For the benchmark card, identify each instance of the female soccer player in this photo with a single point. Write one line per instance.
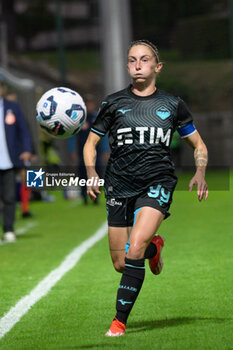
(139, 179)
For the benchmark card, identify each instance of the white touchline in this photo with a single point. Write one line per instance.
(22, 230)
(21, 308)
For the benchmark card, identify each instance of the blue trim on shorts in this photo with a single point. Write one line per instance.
(128, 243)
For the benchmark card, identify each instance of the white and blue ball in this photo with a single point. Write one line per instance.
(61, 112)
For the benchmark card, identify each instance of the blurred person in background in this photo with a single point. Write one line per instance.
(24, 192)
(140, 179)
(15, 151)
(76, 144)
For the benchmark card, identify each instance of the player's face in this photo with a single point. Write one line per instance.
(142, 65)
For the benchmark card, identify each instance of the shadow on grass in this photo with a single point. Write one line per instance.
(91, 346)
(135, 327)
(26, 236)
(172, 322)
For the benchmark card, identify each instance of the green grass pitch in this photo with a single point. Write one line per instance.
(188, 307)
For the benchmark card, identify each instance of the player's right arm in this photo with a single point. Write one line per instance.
(89, 155)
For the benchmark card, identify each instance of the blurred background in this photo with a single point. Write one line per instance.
(82, 44)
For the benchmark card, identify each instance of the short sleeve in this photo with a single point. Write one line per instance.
(103, 120)
(185, 125)
(184, 115)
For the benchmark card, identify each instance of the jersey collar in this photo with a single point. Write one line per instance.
(141, 97)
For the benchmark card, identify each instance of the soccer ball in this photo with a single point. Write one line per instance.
(61, 112)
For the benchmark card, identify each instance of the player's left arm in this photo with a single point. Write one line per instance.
(201, 160)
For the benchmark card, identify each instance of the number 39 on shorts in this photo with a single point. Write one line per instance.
(160, 194)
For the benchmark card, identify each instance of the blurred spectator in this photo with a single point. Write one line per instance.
(77, 142)
(10, 96)
(15, 150)
(24, 192)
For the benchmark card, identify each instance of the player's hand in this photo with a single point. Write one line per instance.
(25, 157)
(93, 189)
(202, 188)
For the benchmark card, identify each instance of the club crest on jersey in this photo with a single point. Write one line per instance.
(163, 113)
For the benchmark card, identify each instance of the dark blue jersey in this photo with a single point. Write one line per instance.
(140, 131)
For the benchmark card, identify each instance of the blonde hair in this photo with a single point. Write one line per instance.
(148, 44)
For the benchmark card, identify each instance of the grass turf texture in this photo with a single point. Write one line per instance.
(187, 307)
